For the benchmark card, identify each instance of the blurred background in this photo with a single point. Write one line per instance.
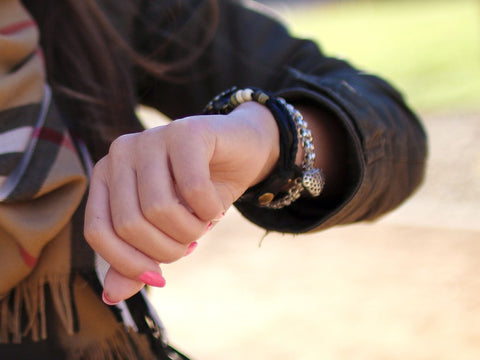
(404, 287)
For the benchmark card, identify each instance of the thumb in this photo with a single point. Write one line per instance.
(117, 287)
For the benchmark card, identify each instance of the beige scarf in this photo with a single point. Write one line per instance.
(42, 183)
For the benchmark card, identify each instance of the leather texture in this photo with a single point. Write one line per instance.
(387, 148)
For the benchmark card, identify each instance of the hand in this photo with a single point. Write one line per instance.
(158, 191)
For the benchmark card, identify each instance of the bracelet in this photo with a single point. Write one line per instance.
(293, 129)
(312, 179)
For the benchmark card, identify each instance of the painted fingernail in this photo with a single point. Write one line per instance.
(152, 278)
(107, 301)
(191, 247)
(209, 226)
(219, 217)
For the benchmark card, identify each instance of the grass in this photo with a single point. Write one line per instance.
(429, 49)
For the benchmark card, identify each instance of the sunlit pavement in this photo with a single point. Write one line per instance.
(405, 287)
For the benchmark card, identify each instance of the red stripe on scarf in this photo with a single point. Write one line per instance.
(19, 26)
(48, 134)
(68, 143)
(28, 259)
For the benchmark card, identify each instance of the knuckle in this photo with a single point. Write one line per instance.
(189, 235)
(155, 210)
(182, 125)
(127, 228)
(93, 234)
(173, 254)
(120, 144)
(195, 188)
(167, 218)
(192, 129)
(98, 167)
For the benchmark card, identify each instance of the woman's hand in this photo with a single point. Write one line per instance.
(157, 191)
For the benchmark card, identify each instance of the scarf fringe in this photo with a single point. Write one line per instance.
(27, 301)
(123, 344)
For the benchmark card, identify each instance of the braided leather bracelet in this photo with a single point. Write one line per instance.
(290, 123)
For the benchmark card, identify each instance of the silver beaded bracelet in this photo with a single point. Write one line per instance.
(312, 179)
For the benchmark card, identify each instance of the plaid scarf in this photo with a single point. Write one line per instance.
(50, 279)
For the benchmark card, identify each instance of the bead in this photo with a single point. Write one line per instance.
(263, 98)
(238, 97)
(233, 99)
(304, 133)
(309, 147)
(247, 94)
(300, 121)
(265, 199)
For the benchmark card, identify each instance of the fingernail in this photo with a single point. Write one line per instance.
(220, 217)
(152, 278)
(209, 226)
(191, 247)
(107, 301)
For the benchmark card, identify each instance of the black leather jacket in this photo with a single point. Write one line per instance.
(387, 145)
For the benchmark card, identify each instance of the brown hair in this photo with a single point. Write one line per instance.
(89, 66)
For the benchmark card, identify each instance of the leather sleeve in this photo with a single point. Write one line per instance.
(387, 145)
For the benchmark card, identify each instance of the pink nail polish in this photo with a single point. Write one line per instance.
(209, 226)
(220, 217)
(191, 247)
(107, 301)
(152, 278)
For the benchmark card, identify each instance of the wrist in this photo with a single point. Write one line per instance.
(293, 131)
(266, 135)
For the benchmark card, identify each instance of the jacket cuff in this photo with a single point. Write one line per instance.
(307, 214)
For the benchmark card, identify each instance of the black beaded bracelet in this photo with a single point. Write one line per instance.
(271, 193)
